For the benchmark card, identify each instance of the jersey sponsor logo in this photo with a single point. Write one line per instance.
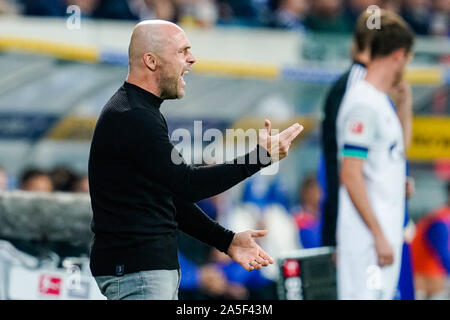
(49, 285)
(356, 127)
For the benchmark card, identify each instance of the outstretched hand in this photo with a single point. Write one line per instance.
(278, 145)
(245, 251)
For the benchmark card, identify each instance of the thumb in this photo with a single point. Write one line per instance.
(268, 126)
(258, 233)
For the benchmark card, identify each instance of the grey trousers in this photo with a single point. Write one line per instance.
(143, 285)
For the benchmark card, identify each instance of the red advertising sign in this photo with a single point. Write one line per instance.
(291, 268)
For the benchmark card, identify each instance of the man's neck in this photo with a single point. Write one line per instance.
(380, 75)
(149, 86)
(362, 57)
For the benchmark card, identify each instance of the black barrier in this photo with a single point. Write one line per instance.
(308, 274)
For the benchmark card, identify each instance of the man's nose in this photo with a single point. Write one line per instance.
(191, 59)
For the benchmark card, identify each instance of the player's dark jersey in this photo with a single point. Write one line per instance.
(328, 170)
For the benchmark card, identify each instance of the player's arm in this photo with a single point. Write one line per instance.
(353, 179)
(402, 97)
(358, 135)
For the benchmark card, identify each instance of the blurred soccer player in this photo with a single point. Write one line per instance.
(431, 253)
(307, 217)
(328, 170)
(140, 196)
(372, 174)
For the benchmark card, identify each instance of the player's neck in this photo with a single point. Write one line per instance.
(362, 57)
(380, 75)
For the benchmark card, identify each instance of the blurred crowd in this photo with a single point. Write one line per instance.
(427, 17)
(59, 179)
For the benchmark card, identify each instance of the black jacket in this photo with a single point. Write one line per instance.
(140, 196)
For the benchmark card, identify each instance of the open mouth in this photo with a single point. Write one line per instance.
(182, 77)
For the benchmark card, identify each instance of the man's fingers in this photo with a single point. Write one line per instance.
(296, 133)
(390, 260)
(256, 265)
(258, 262)
(258, 233)
(286, 133)
(268, 126)
(265, 256)
(290, 133)
(261, 261)
(247, 266)
(385, 260)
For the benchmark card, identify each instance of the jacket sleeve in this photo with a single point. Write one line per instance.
(143, 136)
(193, 221)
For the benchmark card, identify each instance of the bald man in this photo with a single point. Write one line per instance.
(140, 196)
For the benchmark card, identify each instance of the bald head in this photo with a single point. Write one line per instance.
(159, 56)
(151, 36)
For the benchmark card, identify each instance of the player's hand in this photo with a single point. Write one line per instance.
(278, 145)
(385, 254)
(402, 95)
(245, 251)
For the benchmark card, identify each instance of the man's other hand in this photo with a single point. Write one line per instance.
(245, 251)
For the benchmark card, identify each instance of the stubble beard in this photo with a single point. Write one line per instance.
(169, 87)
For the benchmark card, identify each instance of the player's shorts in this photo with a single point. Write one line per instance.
(360, 278)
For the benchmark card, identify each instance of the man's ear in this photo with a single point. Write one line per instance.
(149, 60)
(399, 54)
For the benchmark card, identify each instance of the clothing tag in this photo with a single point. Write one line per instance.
(120, 268)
